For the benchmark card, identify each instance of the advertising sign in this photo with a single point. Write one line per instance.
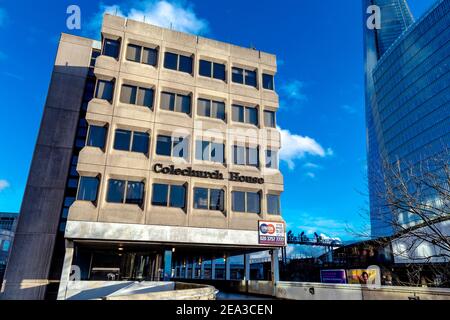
(271, 233)
(333, 276)
(362, 276)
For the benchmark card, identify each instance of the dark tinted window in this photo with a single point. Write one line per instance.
(250, 78)
(122, 140)
(179, 147)
(219, 71)
(238, 113)
(177, 196)
(111, 48)
(164, 145)
(134, 53)
(170, 60)
(217, 152)
(140, 142)
(238, 75)
(200, 198)
(273, 204)
(145, 97)
(205, 68)
(185, 64)
(88, 188)
(216, 199)
(135, 193)
(159, 195)
(218, 110)
(202, 151)
(204, 107)
(167, 101)
(251, 116)
(96, 137)
(253, 202)
(267, 81)
(105, 90)
(128, 94)
(116, 189)
(269, 119)
(183, 103)
(238, 199)
(150, 56)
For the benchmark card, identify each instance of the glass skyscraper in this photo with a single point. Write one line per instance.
(407, 94)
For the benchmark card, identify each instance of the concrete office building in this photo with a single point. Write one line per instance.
(407, 96)
(157, 150)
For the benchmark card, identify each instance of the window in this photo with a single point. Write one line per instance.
(111, 48)
(176, 102)
(210, 151)
(87, 189)
(267, 81)
(126, 140)
(137, 95)
(141, 54)
(5, 245)
(212, 70)
(245, 114)
(178, 62)
(246, 156)
(269, 119)
(94, 55)
(171, 146)
(272, 159)
(243, 76)
(209, 199)
(129, 192)
(273, 204)
(210, 108)
(169, 195)
(105, 90)
(96, 136)
(246, 202)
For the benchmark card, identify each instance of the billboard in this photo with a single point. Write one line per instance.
(271, 233)
(338, 276)
(363, 276)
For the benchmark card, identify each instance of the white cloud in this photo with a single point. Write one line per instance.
(4, 185)
(348, 109)
(168, 14)
(293, 91)
(294, 147)
(311, 175)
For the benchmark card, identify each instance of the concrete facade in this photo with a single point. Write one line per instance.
(27, 276)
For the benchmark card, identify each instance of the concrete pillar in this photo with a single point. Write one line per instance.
(275, 268)
(66, 275)
(246, 267)
(202, 270)
(227, 268)
(167, 265)
(194, 265)
(213, 268)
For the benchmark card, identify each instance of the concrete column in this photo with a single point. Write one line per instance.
(227, 268)
(246, 267)
(275, 268)
(66, 275)
(213, 268)
(194, 265)
(167, 265)
(202, 270)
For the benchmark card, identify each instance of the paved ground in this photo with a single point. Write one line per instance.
(238, 296)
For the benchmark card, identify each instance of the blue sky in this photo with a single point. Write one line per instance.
(320, 82)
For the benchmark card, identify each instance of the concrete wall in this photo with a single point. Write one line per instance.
(320, 291)
(112, 163)
(29, 264)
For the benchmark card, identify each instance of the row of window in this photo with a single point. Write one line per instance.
(135, 141)
(182, 103)
(184, 63)
(174, 196)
